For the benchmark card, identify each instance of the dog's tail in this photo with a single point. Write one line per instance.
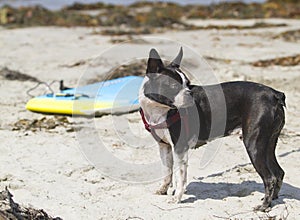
(280, 97)
(279, 116)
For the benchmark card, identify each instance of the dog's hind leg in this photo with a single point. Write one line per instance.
(256, 136)
(166, 156)
(275, 167)
(272, 161)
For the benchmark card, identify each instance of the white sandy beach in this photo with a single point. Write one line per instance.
(47, 169)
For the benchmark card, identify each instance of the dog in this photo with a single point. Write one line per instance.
(181, 116)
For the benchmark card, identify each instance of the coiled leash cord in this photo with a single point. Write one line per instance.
(48, 86)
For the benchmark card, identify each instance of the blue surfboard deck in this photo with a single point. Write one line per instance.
(108, 97)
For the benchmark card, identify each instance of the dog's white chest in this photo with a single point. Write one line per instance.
(164, 135)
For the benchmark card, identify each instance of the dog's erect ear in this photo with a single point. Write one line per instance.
(154, 62)
(176, 62)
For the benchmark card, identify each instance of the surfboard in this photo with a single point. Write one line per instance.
(114, 96)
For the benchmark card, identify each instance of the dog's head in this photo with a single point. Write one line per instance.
(167, 85)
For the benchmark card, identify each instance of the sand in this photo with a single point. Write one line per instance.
(48, 169)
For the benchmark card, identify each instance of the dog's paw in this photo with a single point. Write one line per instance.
(161, 192)
(174, 200)
(262, 208)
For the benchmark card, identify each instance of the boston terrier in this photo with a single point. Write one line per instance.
(181, 116)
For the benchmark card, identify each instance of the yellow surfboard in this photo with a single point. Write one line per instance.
(108, 97)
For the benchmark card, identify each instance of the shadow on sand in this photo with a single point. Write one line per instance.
(221, 190)
(201, 190)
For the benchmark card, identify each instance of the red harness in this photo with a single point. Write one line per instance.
(165, 124)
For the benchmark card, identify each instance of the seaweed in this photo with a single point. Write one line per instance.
(148, 15)
(44, 123)
(93, 6)
(39, 16)
(9, 209)
(280, 61)
(9, 74)
(136, 68)
(292, 36)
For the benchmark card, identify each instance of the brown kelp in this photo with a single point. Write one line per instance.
(147, 16)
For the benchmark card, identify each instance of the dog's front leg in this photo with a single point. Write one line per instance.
(166, 156)
(180, 166)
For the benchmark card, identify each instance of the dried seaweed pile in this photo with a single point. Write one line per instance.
(280, 61)
(9, 74)
(133, 69)
(136, 68)
(242, 27)
(13, 211)
(145, 16)
(44, 123)
(238, 9)
(39, 16)
(292, 36)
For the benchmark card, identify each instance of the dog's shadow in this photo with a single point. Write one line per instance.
(221, 190)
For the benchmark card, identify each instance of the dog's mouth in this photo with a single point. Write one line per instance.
(186, 101)
(161, 99)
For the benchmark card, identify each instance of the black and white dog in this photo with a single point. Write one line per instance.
(180, 116)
